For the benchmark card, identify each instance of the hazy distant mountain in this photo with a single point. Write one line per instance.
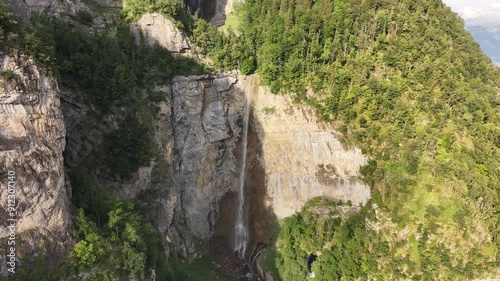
(489, 40)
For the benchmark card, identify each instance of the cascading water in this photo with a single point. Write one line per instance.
(241, 227)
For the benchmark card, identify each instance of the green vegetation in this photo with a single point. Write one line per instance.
(407, 84)
(234, 18)
(402, 80)
(114, 242)
(114, 73)
(269, 110)
(227, 50)
(267, 260)
(128, 148)
(110, 70)
(8, 25)
(199, 270)
(113, 239)
(8, 75)
(176, 9)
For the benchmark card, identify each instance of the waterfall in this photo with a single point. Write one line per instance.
(241, 227)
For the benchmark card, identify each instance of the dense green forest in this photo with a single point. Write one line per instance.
(404, 81)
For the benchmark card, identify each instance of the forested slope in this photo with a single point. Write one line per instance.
(406, 82)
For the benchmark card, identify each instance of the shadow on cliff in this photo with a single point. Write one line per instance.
(262, 223)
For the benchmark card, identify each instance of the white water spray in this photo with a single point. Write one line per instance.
(241, 227)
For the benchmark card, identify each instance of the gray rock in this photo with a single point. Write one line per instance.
(157, 28)
(24, 9)
(205, 112)
(302, 156)
(31, 145)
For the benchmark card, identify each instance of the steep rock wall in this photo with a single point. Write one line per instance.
(213, 11)
(302, 156)
(197, 130)
(207, 116)
(157, 28)
(222, 8)
(24, 9)
(31, 145)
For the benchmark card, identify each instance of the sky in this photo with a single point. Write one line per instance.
(477, 12)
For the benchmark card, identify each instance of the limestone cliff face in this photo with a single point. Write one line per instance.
(157, 28)
(207, 116)
(213, 11)
(31, 145)
(302, 157)
(26, 8)
(199, 130)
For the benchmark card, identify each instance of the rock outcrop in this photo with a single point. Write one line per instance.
(222, 8)
(302, 157)
(31, 146)
(157, 28)
(24, 9)
(206, 119)
(197, 129)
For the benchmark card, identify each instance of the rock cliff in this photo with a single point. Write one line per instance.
(31, 145)
(222, 8)
(157, 28)
(197, 132)
(207, 123)
(302, 157)
(197, 129)
(213, 11)
(26, 8)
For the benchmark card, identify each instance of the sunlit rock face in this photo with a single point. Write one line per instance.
(157, 28)
(31, 146)
(302, 156)
(197, 130)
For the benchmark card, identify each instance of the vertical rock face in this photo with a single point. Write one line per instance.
(157, 28)
(24, 9)
(206, 118)
(197, 130)
(302, 157)
(31, 145)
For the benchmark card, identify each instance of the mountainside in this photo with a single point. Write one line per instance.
(372, 141)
